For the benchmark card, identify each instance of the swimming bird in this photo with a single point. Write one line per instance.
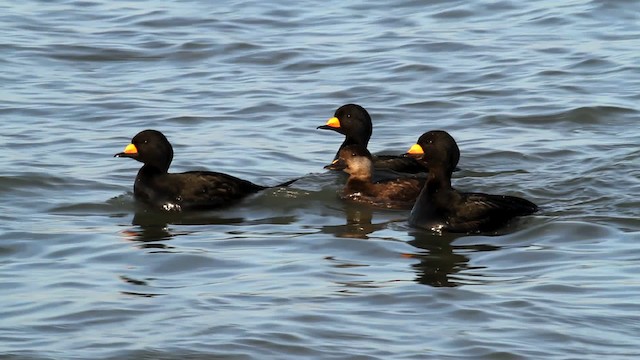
(440, 207)
(398, 193)
(353, 121)
(191, 190)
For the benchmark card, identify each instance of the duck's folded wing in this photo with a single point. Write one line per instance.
(483, 212)
(478, 205)
(398, 163)
(211, 189)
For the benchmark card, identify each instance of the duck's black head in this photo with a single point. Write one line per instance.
(436, 149)
(353, 121)
(150, 147)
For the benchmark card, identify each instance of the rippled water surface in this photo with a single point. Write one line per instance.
(542, 96)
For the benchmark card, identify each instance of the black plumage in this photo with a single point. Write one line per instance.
(354, 122)
(191, 190)
(440, 207)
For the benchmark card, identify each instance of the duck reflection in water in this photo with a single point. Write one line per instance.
(152, 227)
(358, 223)
(442, 264)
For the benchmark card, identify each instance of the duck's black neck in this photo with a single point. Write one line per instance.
(351, 140)
(149, 171)
(438, 178)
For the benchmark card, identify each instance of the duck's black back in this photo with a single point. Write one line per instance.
(192, 190)
(450, 210)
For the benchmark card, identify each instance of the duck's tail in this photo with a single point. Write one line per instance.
(287, 183)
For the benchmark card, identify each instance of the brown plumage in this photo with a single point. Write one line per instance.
(398, 193)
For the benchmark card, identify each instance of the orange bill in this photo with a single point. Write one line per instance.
(416, 150)
(130, 149)
(333, 122)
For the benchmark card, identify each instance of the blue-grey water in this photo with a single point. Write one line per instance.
(543, 98)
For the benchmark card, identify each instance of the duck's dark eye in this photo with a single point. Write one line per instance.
(348, 115)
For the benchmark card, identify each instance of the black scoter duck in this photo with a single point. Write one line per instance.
(398, 193)
(190, 190)
(442, 208)
(354, 122)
